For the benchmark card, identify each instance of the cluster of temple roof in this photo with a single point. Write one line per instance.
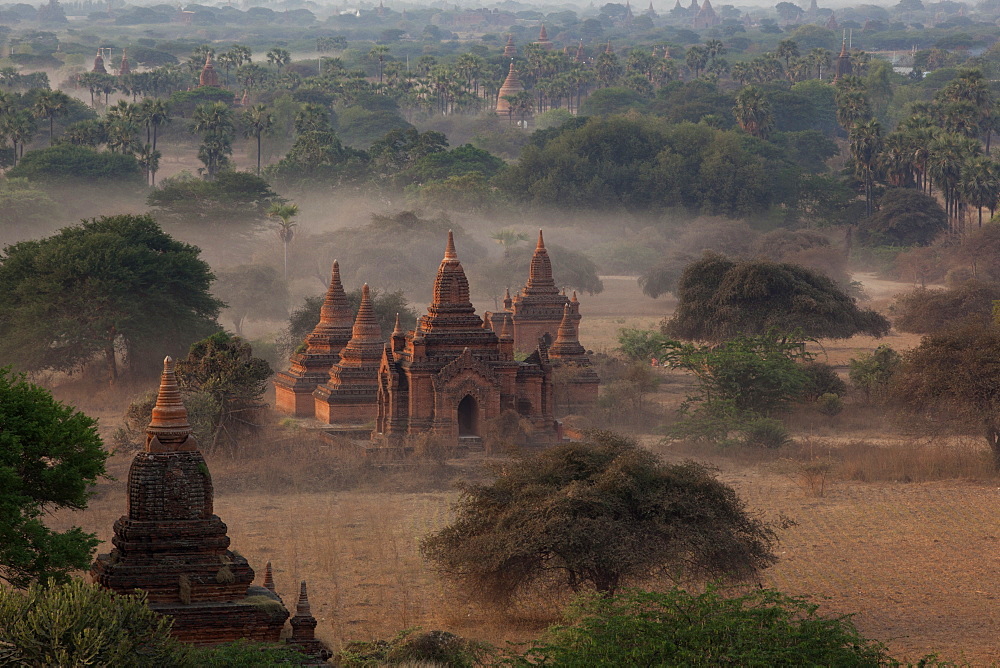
(450, 374)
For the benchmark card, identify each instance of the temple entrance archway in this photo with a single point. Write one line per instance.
(468, 416)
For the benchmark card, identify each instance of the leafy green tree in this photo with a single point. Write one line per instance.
(906, 217)
(25, 206)
(223, 368)
(719, 298)
(682, 628)
(872, 372)
(50, 458)
(641, 345)
(598, 514)
(113, 286)
(955, 376)
(80, 624)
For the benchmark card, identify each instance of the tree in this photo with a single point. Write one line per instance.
(600, 514)
(215, 123)
(719, 298)
(252, 291)
(112, 286)
(79, 624)
(223, 369)
(286, 227)
(378, 53)
(50, 458)
(905, 217)
(508, 239)
(753, 112)
(931, 311)
(866, 145)
(49, 104)
(278, 56)
(257, 121)
(641, 345)
(679, 628)
(955, 376)
(787, 49)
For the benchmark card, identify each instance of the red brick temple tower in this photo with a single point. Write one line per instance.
(511, 86)
(99, 67)
(536, 310)
(543, 39)
(577, 382)
(124, 68)
(509, 49)
(452, 374)
(172, 545)
(349, 395)
(293, 389)
(304, 629)
(208, 77)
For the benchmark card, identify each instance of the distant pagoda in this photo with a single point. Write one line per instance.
(99, 67)
(208, 77)
(511, 86)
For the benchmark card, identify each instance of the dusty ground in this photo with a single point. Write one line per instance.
(914, 561)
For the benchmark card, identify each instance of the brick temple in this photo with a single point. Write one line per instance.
(349, 395)
(413, 383)
(453, 372)
(171, 544)
(310, 368)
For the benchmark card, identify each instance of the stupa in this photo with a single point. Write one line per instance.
(509, 50)
(171, 544)
(543, 39)
(304, 629)
(578, 384)
(124, 68)
(349, 394)
(99, 67)
(842, 65)
(310, 368)
(511, 86)
(208, 77)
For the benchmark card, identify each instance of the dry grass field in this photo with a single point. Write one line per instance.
(893, 524)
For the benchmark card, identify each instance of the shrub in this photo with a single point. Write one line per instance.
(929, 311)
(765, 433)
(246, 654)
(830, 404)
(411, 647)
(821, 378)
(678, 628)
(78, 624)
(872, 372)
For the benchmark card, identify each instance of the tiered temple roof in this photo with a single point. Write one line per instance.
(311, 367)
(350, 391)
(509, 49)
(171, 544)
(543, 39)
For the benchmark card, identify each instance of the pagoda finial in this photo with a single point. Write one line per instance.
(574, 297)
(302, 606)
(397, 329)
(268, 577)
(169, 423)
(541, 242)
(336, 310)
(505, 331)
(449, 252)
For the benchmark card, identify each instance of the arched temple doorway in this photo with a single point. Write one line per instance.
(468, 417)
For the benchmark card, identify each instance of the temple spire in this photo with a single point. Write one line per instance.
(397, 329)
(336, 309)
(268, 578)
(366, 327)
(302, 606)
(540, 274)
(449, 252)
(168, 428)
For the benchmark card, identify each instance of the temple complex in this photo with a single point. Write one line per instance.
(208, 77)
(171, 544)
(706, 17)
(511, 86)
(310, 368)
(453, 372)
(349, 394)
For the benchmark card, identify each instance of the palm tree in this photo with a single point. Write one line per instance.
(278, 56)
(948, 154)
(978, 185)
(753, 112)
(48, 104)
(257, 121)
(149, 160)
(508, 239)
(787, 49)
(285, 232)
(122, 136)
(19, 128)
(715, 48)
(866, 145)
(157, 114)
(379, 52)
(696, 58)
(820, 59)
(215, 122)
(227, 61)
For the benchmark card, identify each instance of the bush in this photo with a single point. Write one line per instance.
(78, 624)
(872, 372)
(765, 433)
(678, 628)
(930, 311)
(830, 404)
(821, 378)
(411, 647)
(246, 654)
